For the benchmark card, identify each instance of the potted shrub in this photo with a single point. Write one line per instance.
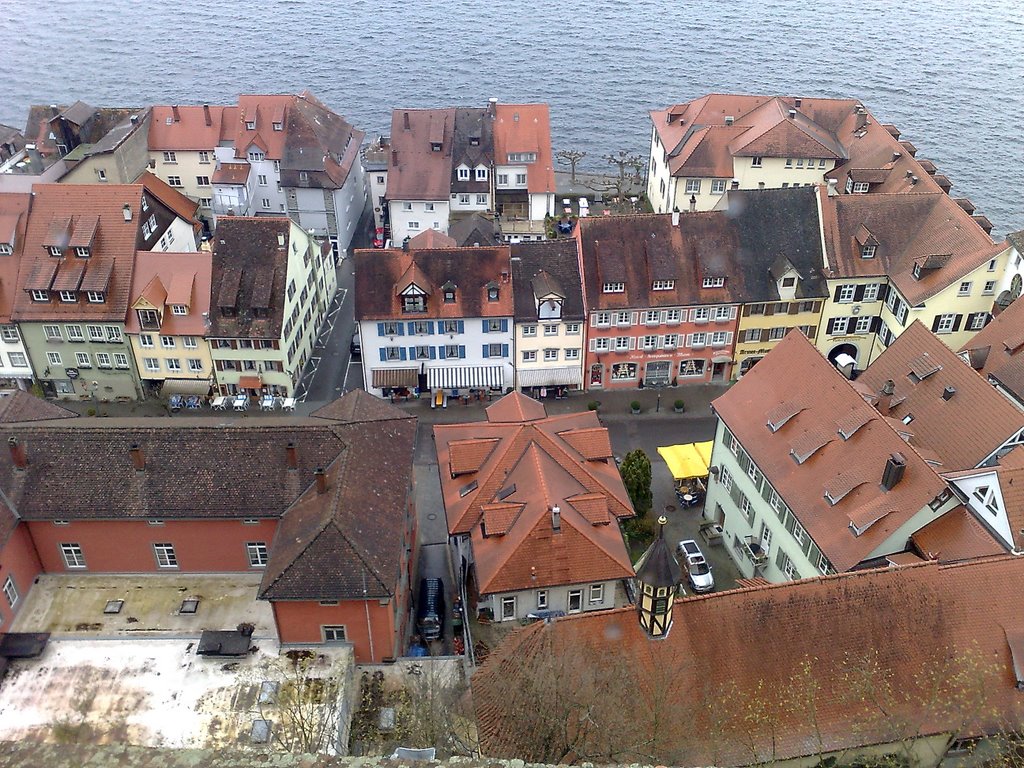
(635, 406)
(593, 405)
(679, 406)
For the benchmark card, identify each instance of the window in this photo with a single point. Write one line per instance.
(463, 173)
(990, 288)
(712, 282)
(572, 354)
(195, 365)
(151, 363)
(860, 187)
(102, 360)
(508, 607)
(756, 162)
(203, 181)
(871, 292)
(492, 293)
(839, 325)
(481, 199)
(167, 342)
(502, 179)
(863, 325)
(492, 326)
(693, 186)
(11, 592)
(571, 329)
(72, 554)
(622, 343)
(965, 288)
(673, 316)
(204, 156)
(174, 181)
(18, 359)
(68, 297)
(529, 356)
(173, 364)
(165, 557)
(821, 163)
(83, 360)
(726, 479)
(170, 157)
(333, 633)
(614, 288)
(495, 350)
(542, 599)
(463, 199)
(278, 125)
(53, 358)
(255, 156)
(718, 186)
(550, 354)
(529, 331)
(650, 342)
(257, 553)
(9, 333)
(596, 593)
(868, 251)
(671, 340)
(698, 340)
(95, 297)
(575, 600)
(522, 157)
(846, 293)
(38, 295)
(600, 344)
(82, 251)
(414, 225)
(52, 333)
(520, 178)
(206, 202)
(663, 285)
(602, 319)
(752, 335)
(120, 360)
(481, 174)
(550, 330)
(56, 250)
(789, 162)
(261, 179)
(776, 333)
(945, 324)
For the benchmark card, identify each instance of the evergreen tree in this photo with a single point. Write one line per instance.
(636, 476)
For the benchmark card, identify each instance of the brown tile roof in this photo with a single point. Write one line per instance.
(549, 267)
(926, 228)
(918, 635)
(232, 173)
(515, 407)
(741, 244)
(525, 128)
(188, 275)
(983, 418)
(432, 239)
(849, 470)
(382, 275)
(592, 443)
(188, 131)
(955, 536)
(250, 270)
(524, 469)
(415, 172)
(995, 350)
(22, 407)
(112, 259)
(358, 406)
(14, 212)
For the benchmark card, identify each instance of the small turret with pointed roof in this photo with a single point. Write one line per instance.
(657, 576)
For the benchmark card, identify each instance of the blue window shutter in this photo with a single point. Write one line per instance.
(485, 329)
(440, 352)
(380, 329)
(462, 327)
(487, 350)
(401, 353)
(504, 325)
(433, 352)
(412, 353)
(412, 328)
(504, 350)
(430, 327)
(462, 349)
(401, 329)
(383, 355)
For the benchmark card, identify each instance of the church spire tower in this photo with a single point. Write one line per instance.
(657, 577)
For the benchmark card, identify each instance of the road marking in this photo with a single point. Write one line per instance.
(344, 383)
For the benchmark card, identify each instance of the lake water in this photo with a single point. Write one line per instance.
(949, 73)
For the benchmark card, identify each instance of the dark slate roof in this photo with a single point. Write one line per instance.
(537, 268)
(23, 407)
(319, 142)
(477, 229)
(248, 262)
(348, 542)
(470, 122)
(360, 406)
(658, 566)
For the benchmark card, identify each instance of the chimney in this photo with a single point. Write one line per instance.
(693, 203)
(885, 397)
(53, 110)
(138, 459)
(321, 480)
(127, 212)
(394, 157)
(556, 519)
(896, 156)
(405, 243)
(862, 120)
(675, 217)
(291, 456)
(405, 120)
(895, 466)
(792, 114)
(797, 103)
(134, 119)
(177, 115)
(910, 174)
(17, 453)
(206, 115)
(833, 187)
(280, 239)
(948, 392)
(492, 106)
(914, 179)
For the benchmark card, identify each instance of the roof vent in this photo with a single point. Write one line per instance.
(948, 392)
(797, 103)
(321, 480)
(792, 114)
(138, 458)
(729, 119)
(556, 519)
(895, 466)
(280, 239)
(291, 455)
(17, 453)
(405, 120)
(896, 156)
(127, 212)
(914, 179)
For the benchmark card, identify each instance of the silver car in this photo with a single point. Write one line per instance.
(698, 570)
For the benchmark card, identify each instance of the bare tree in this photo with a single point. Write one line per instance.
(629, 172)
(570, 157)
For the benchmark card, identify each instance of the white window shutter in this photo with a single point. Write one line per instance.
(728, 337)
(632, 342)
(633, 318)
(689, 339)
(732, 314)
(593, 345)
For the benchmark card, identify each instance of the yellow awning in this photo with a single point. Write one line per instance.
(690, 460)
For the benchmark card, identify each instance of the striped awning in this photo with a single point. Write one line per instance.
(389, 378)
(465, 376)
(551, 377)
(185, 387)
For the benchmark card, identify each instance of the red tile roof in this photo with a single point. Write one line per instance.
(14, 208)
(526, 128)
(516, 407)
(415, 171)
(996, 350)
(188, 274)
(955, 536)
(188, 130)
(764, 674)
(848, 469)
(983, 418)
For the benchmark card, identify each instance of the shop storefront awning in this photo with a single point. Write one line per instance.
(185, 387)
(249, 382)
(551, 377)
(391, 378)
(465, 377)
(690, 460)
(721, 359)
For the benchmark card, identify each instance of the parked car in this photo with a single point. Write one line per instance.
(698, 570)
(355, 347)
(430, 609)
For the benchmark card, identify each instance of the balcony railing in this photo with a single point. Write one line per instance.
(753, 551)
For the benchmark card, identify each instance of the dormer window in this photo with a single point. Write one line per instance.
(522, 157)
(613, 287)
(38, 295)
(69, 297)
(663, 285)
(917, 271)
(82, 252)
(6, 249)
(179, 309)
(149, 319)
(414, 304)
(303, 176)
(255, 156)
(250, 125)
(463, 173)
(56, 250)
(449, 293)
(481, 174)
(492, 292)
(868, 251)
(788, 282)
(474, 141)
(713, 282)
(278, 126)
(96, 297)
(435, 146)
